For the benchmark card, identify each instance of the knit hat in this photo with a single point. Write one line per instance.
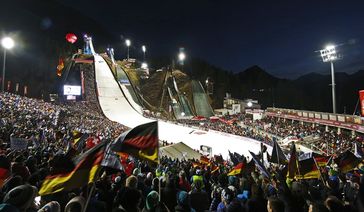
(152, 200)
(182, 198)
(136, 171)
(131, 181)
(51, 207)
(150, 175)
(117, 179)
(8, 208)
(76, 202)
(21, 196)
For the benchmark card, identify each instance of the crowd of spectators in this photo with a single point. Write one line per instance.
(171, 185)
(269, 128)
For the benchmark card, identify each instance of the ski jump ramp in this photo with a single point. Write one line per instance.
(117, 107)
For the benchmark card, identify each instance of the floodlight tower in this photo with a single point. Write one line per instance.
(329, 54)
(128, 43)
(144, 49)
(7, 44)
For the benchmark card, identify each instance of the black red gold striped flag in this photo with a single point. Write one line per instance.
(86, 171)
(236, 170)
(292, 163)
(307, 169)
(141, 142)
(346, 161)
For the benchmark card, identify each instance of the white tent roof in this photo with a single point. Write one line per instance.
(180, 151)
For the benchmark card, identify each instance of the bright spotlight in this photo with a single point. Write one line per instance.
(127, 42)
(144, 49)
(329, 53)
(250, 104)
(183, 114)
(181, 56)
(7, 43)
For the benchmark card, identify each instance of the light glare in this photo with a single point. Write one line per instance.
(127, 42)
(7, 43)
(181, 56)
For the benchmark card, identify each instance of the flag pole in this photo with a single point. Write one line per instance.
(322, 179)
(159, 162)
(275, 143)
(89, 197)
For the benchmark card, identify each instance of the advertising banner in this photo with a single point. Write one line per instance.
(361, 97)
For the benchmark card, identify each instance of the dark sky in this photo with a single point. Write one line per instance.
(279, 36)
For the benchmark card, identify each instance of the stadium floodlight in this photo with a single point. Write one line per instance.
(183, 114)
(249, 104)
(144, 49)
(7, 43)
(181, 57)
(144, 66)
(329, 54)
(128, 43)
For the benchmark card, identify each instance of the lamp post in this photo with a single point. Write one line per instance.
(127, 43)
(181, 58)
(329, 55)
(7, 43)
(144, 49)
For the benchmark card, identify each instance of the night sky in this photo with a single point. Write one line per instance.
(282, 37)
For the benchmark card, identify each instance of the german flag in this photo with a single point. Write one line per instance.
(79, 140)
(322, 160)
(292, 163)
(346, 161)
(214, 168)
(236, 170)
(196, 164)
(60, 67)
(307, 169)
(141, 142)
(204, 160)
(86, 171)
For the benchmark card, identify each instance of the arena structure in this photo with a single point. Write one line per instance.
(117, 105)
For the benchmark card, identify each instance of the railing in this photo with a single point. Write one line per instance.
(350, 122)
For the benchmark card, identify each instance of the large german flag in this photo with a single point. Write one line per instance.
(236, 170)
(86, 171)
(307, 169)
(141, 142)
(346, 161)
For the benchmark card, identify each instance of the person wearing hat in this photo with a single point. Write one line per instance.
(75, 204)
(183, 183)
(183, 202)
(198, 177)
(22, 197)
(131, 181)
(199, 198)
(152, 203)
(227, 196)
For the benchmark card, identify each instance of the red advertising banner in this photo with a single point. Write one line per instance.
(361, 97)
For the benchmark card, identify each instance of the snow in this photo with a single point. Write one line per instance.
(117, 107)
